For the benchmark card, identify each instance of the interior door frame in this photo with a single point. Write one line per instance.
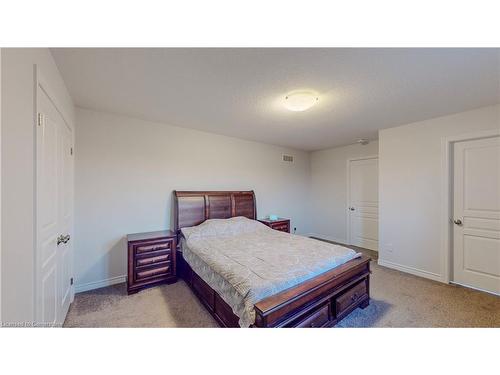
(0, 185)
(40, 83)
(447, 191)
(348, 193)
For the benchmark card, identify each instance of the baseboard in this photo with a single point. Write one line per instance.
(328, 238)
(100, 284)
(411, 270)
(472, 287)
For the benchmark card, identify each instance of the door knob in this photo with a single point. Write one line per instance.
(457, 221)
(351, 208)
(66, 238)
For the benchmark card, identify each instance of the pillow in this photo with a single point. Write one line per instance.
(223, 227)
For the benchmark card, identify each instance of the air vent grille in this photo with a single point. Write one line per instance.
(288, 158)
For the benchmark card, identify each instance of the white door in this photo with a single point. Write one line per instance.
(476, 214)
(54, 214)
(65, 219)
(363, 203)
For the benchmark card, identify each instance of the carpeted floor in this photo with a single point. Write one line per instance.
(398, 300)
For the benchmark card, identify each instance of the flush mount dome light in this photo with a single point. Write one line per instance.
(299, 101)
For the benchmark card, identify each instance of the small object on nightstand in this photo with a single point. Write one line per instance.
(280, 224)
(151, 259)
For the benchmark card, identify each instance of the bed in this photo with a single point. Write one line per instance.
(248, 275)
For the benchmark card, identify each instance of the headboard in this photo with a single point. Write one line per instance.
(194, 207)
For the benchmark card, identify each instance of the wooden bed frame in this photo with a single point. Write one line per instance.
(318, 302)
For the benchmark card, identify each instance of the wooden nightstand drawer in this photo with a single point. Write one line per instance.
(153, 272)
(152, 247)
(151, 259)
(140, 262)
(282, 225)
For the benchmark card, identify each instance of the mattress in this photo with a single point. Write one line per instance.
(245, 261)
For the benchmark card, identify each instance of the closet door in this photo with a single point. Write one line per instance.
(65, 219)
(53, 267)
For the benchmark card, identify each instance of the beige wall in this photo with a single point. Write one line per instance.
(329, 189)
(410, 171)
(126, 170)
(18, 172)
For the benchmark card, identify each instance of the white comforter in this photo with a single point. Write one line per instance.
(246, 261)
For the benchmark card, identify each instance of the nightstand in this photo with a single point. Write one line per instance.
(280, 224)
(151, 259)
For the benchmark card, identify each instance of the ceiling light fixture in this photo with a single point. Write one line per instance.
(299, 101)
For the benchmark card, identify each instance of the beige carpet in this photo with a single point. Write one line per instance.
(398, 300)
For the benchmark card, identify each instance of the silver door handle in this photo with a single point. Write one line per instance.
(457, 221)
(63, 239)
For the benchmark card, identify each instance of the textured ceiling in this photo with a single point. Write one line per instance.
(238, 92)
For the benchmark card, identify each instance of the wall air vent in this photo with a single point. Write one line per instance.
(288, 158)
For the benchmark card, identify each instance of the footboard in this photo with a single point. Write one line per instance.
(321, 301)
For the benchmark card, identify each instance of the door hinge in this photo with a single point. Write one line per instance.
(71, 281)
(40, 119)
(71, 151)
